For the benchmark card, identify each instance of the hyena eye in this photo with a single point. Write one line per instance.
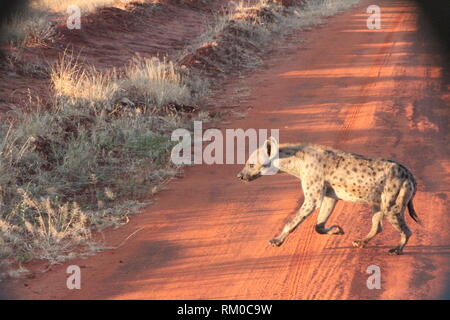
(251, 165)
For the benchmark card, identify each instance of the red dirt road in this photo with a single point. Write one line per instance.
(374, 92)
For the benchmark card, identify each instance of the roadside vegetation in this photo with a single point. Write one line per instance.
(94, 154)
(101, 144)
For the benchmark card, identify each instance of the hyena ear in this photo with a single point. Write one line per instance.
(271, 147)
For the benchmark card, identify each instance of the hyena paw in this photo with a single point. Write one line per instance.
(395, 251)
(276, 242)
(359, 244)
(336, 230)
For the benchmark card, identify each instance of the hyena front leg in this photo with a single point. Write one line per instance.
(326, 209)
(308, 206)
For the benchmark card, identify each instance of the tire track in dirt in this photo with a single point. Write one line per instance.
(350, 119)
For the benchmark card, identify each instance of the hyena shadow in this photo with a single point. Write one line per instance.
(413, 250)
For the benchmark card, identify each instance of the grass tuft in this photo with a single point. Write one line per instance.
(27, 27)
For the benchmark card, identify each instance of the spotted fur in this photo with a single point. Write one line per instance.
(328, 175)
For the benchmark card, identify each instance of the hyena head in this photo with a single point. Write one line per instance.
(260, 162)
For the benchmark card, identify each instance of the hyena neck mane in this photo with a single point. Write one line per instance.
(290, 155)
(287, 160)
(287, 150)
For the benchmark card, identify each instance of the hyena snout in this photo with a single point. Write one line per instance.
(259, 162)
(247, 177)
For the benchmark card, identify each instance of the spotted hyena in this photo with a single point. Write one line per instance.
(329, 175)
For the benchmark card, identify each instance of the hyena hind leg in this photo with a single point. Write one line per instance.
(326, 209)
(377, 227)
(395, 214)
(398, 222)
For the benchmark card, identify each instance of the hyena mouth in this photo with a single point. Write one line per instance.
(251, 178)
(247, 178)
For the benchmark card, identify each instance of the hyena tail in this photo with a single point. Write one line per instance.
(412, 212)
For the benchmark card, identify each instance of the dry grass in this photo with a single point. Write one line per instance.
(83, 87)
(31, 26)
(44, 227)
(84, 5)
(61, 6)
(147, 84)
(155, 82)
(326, 8)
